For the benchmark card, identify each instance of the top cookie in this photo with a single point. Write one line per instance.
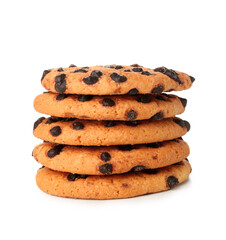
(114, 80)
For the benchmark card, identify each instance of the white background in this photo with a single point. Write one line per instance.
(188, 36)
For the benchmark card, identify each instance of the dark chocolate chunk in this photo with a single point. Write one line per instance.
(127, 70)
(61, 96)
(133, 91)
(131, 115)
(146, 73)
(144, 99)
(137, 69)
(150, 171)
(45, 73)
(118, 67)
(72, 65)
(187, 125)
(93, 78)
(83, 176)
(56, 150)
(153, 145)
(158, 89)
(55, 131)
(78, 125)
(106, 168)
(85, 98)
(72, 177)
(158, 116)
(183, 101)
(60, 83)
(53, 120)
(179, 122)
(110, 124)
(125, 147)
(110, 66)
(169, 72)
(107, 102)
(192, 79)
(96, 73)
(105, 156)
(132, 123)
(138, 168)
(38, 122)
(82, 70)
(60, 69)
(118, 77)
(160, 97)
(172, 181)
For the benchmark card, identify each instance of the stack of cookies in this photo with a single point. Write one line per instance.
(111, 133)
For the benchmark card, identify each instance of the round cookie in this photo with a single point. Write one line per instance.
(105, 133)
(114, 79)
(109, 107)
(110, 160)
(113, 186)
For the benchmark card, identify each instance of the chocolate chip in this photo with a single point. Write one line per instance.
(183, 101)
(60, 69)
(72, 177)
(118, 77)
(53, 120)
(105, 156)
(60, 83)
(150, 171)
(160, 97)
(93, 78)
(158, 116)
(144, 99)
(56, 150)
(133, 91)
(132, 123)
(153, 145)
(192, 79)
(172, 181)
(131, 115)
(110, 66)
(83, 176)
(137, 69)
(186, 159)
(187, 125)
(85, 98)
(135, 65)
(61, 97)
(158, 89)
(146, 73)
(180, 122)
(55, 131)
(110, 124)
(138, 168)
(126, 147)
(107, 102)
(127, 70)
(118, 67)
(81, 70)
(69, 119)
(45, 73)
(78, 125)
(38, 122)
(72, 65)
(170, 73)
(106, 168)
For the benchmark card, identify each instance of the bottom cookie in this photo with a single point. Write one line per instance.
(113, 186)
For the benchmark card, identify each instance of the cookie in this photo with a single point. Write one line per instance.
(97, 133)
(114, 80)
(109, 107)
(89, 160)
(113, 186)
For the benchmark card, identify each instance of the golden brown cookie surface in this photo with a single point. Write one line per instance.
(118, 159)
(112, 186)
(114, 80)
(105, 133)
(109, 107)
